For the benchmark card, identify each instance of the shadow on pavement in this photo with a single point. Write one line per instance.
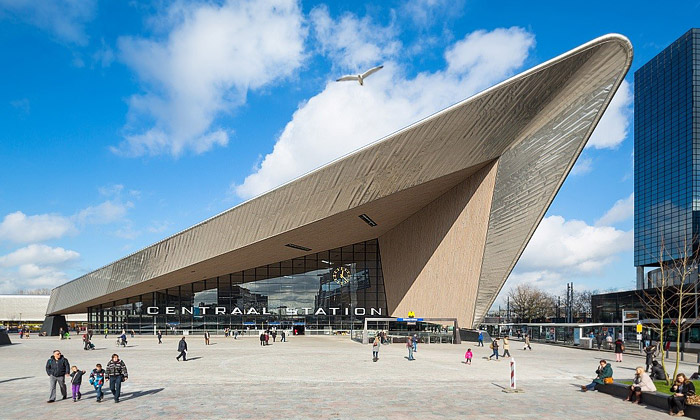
(15, 379)
(194, 358)
(137, 394)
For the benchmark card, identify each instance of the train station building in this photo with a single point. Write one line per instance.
(428, 220)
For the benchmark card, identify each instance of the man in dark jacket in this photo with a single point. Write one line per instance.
(57, 367)
(657, 371)
(116, 373)
(182, 348)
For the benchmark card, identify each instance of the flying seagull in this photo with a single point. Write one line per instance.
(360, 77)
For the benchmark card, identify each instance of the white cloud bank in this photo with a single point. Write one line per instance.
(19, 228)
(622, 210)
(345, 116)
(614, 126)
(212, 56)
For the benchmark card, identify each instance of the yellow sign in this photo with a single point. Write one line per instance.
(639, 328)
(411, 314)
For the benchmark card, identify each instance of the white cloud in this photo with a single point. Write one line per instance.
(573, 247)
(20, 228)
(211, 58)
(38, 254)
(614, 125)
(104, 213)
(65, 20)
(345, 116)
(582, 166)
(622, 210)
(351, 42)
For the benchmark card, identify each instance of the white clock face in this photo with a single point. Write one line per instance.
(341, 275)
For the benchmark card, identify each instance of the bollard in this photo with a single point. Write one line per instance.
(698, 359)
(513, 383)
(682, 354)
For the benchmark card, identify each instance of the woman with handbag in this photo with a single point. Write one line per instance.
(642, 383)
(619, 348)
(604, 373)
(682, 389)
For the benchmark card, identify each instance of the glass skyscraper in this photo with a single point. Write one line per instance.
(667, 153)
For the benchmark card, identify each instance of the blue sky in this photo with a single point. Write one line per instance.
(123, 123)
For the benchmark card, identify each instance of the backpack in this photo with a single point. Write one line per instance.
(491, 346)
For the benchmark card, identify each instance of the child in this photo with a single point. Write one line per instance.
(468, 356)
(97, 379)
(76, 378)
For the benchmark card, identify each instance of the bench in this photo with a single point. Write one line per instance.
(654, 399)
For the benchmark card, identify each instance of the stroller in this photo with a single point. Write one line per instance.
(89, 346)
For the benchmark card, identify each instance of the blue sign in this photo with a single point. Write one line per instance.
(248, 322)
(298, 323)
(409, 319)
(274, 323)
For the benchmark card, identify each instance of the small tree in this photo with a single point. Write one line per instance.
(656, 304)
(683, 293)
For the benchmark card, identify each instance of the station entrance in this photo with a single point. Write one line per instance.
(428, 330)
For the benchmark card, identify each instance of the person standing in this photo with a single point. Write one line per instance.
(619, 348)
(650, 351)
(494, 347)
(506, 347)
(206, 338)
(76, 378)
(106, 332)
(415, 342)
(116, 374)
(284, 337)
(262, 338)
(57, 367)
(409, 346)
(527, 342)
(599, 339)
(468, 357)
(375, 349)
(160, 337)
(274, 336)
(182, 348)
(481, 339)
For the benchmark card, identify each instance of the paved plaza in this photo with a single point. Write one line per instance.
(314, 377)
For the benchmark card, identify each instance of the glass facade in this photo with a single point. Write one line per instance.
(667, 151)
(327, 291)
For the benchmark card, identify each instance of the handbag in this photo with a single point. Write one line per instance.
(607, 380)
(693, 399)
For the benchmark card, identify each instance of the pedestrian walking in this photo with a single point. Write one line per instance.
(409, 346)
(160, 337)
(650, 351)
(415, 342)
(182, 348)
(609, 341)
(274, 336)
(506, 347)
(57, 367)
(206, 338)
(97, 379)
(480, 339)
(284, 337)
(619, 348)
(262, 338)
(599, 339)
(375, 349)
(494, 346)
(527, 342)
(116, 374)
(267, 338)
(468, 357)
(106, 332)
(76, 378)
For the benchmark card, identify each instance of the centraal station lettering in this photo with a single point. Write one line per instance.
(221, 310)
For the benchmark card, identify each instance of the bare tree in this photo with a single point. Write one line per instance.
(673, 297)
(528, 302)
